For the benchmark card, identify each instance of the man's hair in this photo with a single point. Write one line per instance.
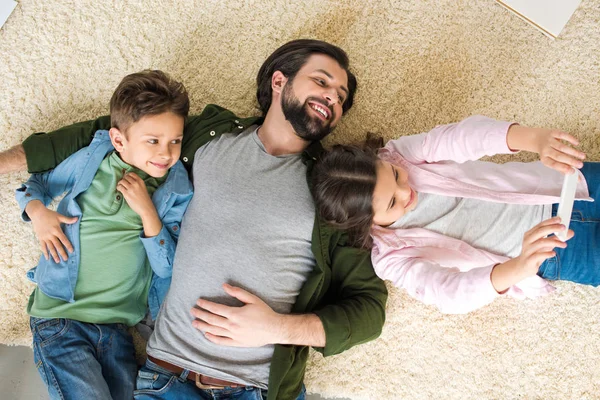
(149, 92)
(343, 186)
(292, 56)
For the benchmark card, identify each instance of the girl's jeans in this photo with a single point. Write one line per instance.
(78, 360)
(580, 260)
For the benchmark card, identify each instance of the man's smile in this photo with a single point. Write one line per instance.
(322, 111)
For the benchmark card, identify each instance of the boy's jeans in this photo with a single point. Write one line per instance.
(580, 260)
(154, 382)
(78, 360)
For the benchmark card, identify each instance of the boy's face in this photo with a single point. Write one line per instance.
(152, 144)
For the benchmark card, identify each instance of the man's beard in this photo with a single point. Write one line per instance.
(297, 114)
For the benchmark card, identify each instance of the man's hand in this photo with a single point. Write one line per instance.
(13, 160)
(254, 324)
(549, 144)
(46, 225)
(136, 195)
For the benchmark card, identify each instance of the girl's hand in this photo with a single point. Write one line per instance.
(46, 225)
(538, 246)
(549, 145)
(136, 194)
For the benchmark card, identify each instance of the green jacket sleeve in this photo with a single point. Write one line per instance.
(44, 151)
(355, 310)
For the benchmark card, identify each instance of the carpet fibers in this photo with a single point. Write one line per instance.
(419, 63)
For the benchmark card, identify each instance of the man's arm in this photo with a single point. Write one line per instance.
(355, 301)
(255, 323)
(44, 151)
(13, 160)
(355, 312)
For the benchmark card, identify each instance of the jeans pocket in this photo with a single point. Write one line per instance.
(39, 363)
(46, 330)
(148, 380)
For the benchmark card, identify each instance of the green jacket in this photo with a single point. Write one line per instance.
(342, 290)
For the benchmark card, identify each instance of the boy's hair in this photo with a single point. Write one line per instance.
(149, 92)
(292, 56)
(343, 186)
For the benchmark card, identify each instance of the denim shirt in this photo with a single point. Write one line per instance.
(74, 176)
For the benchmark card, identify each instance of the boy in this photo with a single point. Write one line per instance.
(126, 195)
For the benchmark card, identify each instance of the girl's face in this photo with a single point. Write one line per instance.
(393, 197)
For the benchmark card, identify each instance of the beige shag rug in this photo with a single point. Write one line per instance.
(419, 63)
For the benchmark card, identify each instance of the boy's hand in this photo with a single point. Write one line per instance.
(136, 194)
(46, 225)
(549, 145)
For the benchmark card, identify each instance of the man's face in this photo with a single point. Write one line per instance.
(312, 101)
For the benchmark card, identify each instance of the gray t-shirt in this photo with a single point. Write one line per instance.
(249, 224)
(494, 227)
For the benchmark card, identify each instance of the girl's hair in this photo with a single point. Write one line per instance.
(343, 185)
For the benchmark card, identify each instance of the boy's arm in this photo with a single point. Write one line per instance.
(160, 247)
(49, 185)
(36, 194)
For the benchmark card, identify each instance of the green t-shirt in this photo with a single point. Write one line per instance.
(114, 271)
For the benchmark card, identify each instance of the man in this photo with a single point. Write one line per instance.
(257, 276)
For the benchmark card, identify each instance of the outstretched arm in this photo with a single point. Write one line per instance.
(550, 144)
(13, 160)
(479, 136)
(42, 152)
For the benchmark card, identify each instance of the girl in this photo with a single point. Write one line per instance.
(456, 232)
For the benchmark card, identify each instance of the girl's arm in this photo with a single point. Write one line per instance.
(456, 292)
(479, 136)
(468, 140)
(538, 246)
(548, 144)
(452, 291)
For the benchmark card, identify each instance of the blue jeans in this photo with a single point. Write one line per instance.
(77, 360)
(154, 382)
(580, 260)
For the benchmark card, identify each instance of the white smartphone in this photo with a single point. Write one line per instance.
(565, 207)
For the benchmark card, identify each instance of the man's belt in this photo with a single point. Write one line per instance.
(201, 381)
